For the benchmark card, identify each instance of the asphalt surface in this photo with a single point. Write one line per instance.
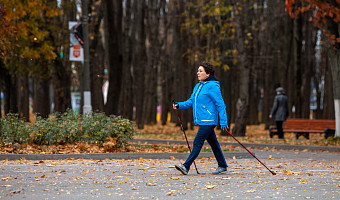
(301, 174)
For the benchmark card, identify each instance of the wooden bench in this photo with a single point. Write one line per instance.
(305, 127)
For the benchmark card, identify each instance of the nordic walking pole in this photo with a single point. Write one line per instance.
(179, 118)
(251, 153)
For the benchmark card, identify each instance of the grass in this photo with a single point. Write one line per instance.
(254, 134)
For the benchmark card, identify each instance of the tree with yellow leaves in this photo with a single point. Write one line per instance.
(26, 45)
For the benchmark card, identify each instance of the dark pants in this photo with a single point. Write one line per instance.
(206, 133)
(279, 128)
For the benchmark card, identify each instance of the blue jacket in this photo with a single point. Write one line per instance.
(207, 103)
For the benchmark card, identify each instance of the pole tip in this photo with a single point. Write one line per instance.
(273, 172)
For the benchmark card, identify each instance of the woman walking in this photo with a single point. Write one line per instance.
(208, 105)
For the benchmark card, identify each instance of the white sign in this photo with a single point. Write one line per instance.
(76, 41)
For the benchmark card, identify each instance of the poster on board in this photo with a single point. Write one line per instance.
(76, 41)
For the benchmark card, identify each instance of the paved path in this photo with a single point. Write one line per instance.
(300, 175)
(248, 145)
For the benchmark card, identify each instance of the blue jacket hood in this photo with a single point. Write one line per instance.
(211, 78)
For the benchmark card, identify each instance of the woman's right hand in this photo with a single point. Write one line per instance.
(174, 106)
(225, 128)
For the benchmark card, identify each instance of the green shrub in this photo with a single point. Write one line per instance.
(68, 127)
(13, 129)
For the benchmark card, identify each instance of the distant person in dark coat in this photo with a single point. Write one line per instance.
(280, 110)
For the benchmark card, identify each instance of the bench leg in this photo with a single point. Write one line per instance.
(329, 133)
(271, 134)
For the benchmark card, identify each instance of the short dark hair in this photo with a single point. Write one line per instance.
(208, 67)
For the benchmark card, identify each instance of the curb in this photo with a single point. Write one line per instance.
(102, 156)
(251, 145)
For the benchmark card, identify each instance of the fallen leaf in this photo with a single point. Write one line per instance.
(170, 194)
(288, 172)
(210, 186)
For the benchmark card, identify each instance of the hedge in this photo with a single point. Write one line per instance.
(68, 127)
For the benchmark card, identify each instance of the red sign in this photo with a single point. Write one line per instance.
(76, 50)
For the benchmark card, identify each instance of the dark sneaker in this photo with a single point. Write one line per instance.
(220, 170)
(182, 169)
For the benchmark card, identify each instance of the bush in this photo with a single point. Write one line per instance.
(13, 129)
(68, 127)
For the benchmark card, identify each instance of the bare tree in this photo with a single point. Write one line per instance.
(113, 24)
(139, 61)
(97, 55)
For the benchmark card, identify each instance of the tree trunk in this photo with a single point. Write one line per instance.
(182, 71)
(97, 58)
(97, 77)
(242, 104)
(62, 86)
(139, 62)
(23, 97)
(154, 51)
(298, 66)
(10, 94)
(127, 96)
(113, 17)
(165, 69)
(290, 75)
(334, 62)
(166, 92)
(41, 104)
(328, 101)
(309, 64)
(9, 88)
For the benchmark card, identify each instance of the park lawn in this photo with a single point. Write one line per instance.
(254, 134)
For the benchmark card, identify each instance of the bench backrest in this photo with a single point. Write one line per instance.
(309, 124)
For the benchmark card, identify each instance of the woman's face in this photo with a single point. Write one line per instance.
(201, 74)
